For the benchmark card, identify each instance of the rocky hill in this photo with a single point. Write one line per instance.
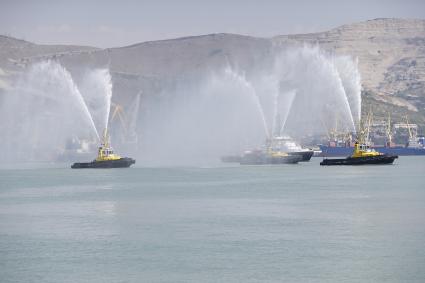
(16, 53)
(391, 55)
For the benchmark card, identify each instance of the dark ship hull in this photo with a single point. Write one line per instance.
(305, 155)
(264, 159)
(118, 163)
(380, 159)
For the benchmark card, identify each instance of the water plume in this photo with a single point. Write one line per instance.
(45, 112)
(297, 91)
(350, 77)
(321, 90)
(286, 108)
(96, 87)
(48, 80)
(266, 87)
(251, 93)
(229, 109)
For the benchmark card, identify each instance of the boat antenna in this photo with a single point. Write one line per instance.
(119, 112)
(408, 127)
(105, 138)
(369, 122)
(326, 128)
(389, 136)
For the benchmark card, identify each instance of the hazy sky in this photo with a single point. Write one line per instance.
(117, 23)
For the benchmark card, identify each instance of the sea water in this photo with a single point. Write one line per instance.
(288, 223)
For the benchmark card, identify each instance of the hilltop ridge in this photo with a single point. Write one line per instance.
(390, 53)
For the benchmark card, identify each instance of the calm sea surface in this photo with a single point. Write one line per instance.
(289, 223)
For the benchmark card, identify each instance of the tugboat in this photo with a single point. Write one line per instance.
(362, 155)
(106, 158)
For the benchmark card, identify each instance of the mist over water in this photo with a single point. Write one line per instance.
(46, 110)
(299, 91)
(202, 120)
(302, 92)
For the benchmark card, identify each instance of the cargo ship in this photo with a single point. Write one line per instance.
(106, 158)
(345, 150)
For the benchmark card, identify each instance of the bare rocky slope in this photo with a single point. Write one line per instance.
(391, 55)
(15, 54)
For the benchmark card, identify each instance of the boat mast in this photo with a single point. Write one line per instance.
(105, 141)
(389, 136)
(369, 122)
(408, 128)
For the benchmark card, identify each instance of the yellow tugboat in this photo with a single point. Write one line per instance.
(106, 158)
(362, 155)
